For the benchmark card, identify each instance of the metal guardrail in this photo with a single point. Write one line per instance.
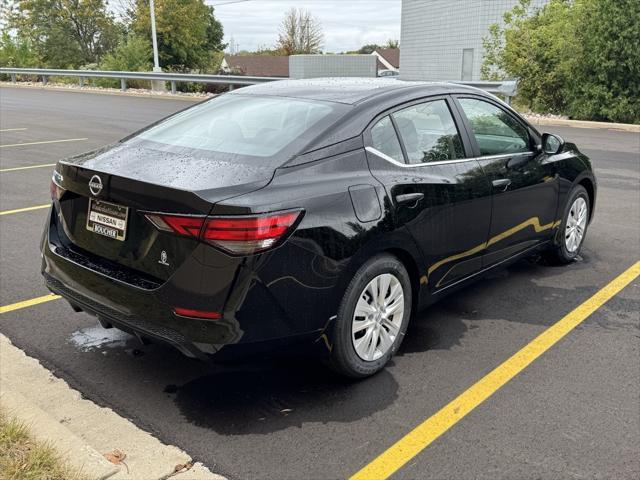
(124, 76)
(505, 88)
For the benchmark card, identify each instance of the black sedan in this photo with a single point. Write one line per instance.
(318, 213)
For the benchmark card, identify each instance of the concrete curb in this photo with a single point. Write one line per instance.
(106, 92)
(44, 428)
(81, 430)
(560, 122)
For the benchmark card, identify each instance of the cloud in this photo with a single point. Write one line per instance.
(347, 24)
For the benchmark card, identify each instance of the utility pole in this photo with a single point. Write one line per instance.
(154, 40)
(156, 85)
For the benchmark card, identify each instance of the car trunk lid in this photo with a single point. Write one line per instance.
(131, 181)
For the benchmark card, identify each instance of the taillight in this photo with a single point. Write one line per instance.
(187, 226)
(247, 235)
(56, 191)
(236, 235)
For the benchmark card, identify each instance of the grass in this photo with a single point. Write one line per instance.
(23, 458)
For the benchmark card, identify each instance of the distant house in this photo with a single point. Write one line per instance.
(388, 58)
(256, 65)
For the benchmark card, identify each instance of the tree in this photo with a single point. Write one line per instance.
(367, 49)
(7, 10)
(188, 33)
(66, 33)
(579, 57)
(17, 52)
(300, 32)
(537, 48)
(393, 43)
(606, 80)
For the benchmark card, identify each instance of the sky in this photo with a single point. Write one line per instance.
(347, 24)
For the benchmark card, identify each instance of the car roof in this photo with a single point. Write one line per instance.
(348, 90)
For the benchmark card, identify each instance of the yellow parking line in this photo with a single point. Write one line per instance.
(43, 142)
(427, 432)
(12, 129)
(26, 209)
(28, 303)
(15, 169)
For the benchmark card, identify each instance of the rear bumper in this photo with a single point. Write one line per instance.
(255, 319)
(129, 323)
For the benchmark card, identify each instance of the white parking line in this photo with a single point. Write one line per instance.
(42, 143)
(12, 129)
(15, 169)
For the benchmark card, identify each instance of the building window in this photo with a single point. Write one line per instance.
(467, 64)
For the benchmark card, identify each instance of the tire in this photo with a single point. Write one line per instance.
(567, 247)
(352, 353)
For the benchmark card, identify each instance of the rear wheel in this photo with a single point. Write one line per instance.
(372, 318)
(573, 228)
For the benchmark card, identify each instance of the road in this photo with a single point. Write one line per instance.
(574, 412)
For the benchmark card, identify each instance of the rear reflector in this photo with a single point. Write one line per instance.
(240, 235)
(188, 312)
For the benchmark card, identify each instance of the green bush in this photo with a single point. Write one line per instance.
(606, 79)
(132, 55)
(17, 52)
(579, 58)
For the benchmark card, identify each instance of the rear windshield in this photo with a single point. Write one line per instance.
(244, 125)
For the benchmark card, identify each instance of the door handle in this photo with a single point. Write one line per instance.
(501, 184)
(409, 197)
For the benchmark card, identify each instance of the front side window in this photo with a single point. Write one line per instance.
(241, 125)
(385, 140)
(495, 130)
(429, 133)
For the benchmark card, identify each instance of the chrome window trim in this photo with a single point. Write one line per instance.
(389, 159)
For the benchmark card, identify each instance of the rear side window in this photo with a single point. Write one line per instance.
(385, 140)
(429, 133)
(241, 125)
(495, 130)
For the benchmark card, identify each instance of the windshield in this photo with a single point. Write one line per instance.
(245, 125)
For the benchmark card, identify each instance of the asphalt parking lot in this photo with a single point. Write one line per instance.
(573, 413)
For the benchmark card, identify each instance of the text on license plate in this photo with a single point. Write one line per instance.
(107, 219)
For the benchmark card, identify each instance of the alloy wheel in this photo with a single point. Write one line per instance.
(378, 317)
(576, 225)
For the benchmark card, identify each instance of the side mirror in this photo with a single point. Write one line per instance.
(552, 144)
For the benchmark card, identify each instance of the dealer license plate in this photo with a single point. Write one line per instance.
(107, 219)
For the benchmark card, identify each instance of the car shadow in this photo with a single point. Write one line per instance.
(264, 397)
(275, 396)
(444, 324)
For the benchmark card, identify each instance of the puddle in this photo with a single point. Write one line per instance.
(97, 337)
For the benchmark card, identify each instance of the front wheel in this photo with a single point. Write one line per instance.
(372, 318)
(573, 228)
